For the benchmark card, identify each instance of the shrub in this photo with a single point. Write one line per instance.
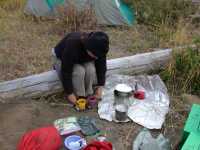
(156, 12)
(183, 71)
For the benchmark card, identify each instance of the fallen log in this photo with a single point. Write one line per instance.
(48, 83)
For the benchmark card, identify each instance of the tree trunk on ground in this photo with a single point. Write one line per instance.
(48, 83)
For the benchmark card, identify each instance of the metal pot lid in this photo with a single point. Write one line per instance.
(123, 88)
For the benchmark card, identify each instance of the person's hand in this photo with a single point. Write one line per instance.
(98, 92)
(72, 98)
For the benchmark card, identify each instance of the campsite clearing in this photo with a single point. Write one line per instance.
(25, 49)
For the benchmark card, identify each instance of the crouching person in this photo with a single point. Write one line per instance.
(81, 64)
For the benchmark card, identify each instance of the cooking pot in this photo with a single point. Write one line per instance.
(123, 90)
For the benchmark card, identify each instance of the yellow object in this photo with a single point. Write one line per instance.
(81, 104)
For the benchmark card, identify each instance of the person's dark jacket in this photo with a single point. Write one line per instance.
(71, 51)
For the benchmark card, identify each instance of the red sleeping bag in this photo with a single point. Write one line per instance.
(46, 138)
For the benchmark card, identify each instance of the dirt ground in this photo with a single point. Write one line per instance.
(17, 118)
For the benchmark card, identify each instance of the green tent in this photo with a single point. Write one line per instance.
(107, 12)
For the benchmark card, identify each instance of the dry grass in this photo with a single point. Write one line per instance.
(12, 5)
(73, 20)
(25, 45)
(25, 41)
(174, 37)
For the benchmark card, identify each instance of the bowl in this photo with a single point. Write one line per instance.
(74, 142)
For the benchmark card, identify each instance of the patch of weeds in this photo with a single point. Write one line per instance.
(148, 37)
(156, 12)
(168, 26)
(183, 71)
(142, 38)
(73, 20)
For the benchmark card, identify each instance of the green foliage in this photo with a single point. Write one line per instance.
(156, 12)
(183, 72)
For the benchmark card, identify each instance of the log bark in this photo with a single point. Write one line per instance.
(48, 83)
